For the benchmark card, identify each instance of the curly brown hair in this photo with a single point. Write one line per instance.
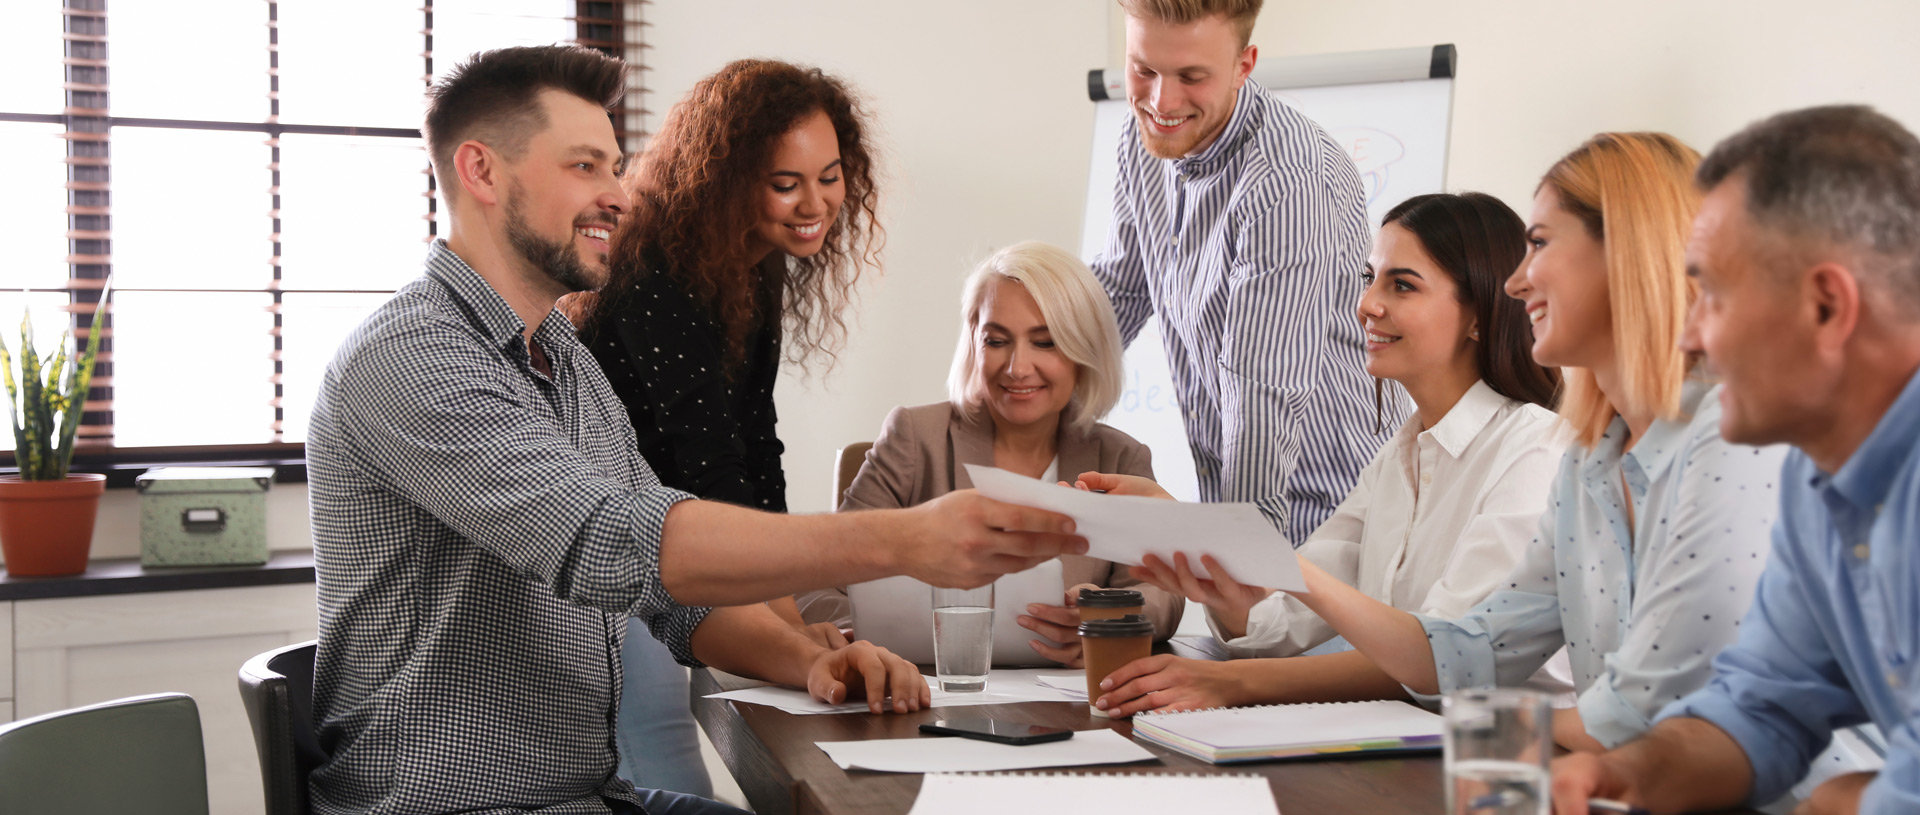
(694, 191)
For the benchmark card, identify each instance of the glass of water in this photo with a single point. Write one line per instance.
(1498, 743)
(962, 637)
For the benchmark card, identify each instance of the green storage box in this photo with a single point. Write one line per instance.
(204, 516)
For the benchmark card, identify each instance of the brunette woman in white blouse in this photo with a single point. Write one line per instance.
(1445, 509)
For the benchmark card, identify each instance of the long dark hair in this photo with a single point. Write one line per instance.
(1480, 241)
(694, 194)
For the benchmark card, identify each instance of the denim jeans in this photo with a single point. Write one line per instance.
(658, 739)
(661, 802)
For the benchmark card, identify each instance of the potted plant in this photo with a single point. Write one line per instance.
(46, 513)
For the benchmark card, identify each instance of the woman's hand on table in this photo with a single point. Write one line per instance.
(1166, 682)
(863, 669)
(1060, 624)
(1229, 600)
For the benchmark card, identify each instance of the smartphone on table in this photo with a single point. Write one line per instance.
(996, 730)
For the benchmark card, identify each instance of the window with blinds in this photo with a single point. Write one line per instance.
(250, 174)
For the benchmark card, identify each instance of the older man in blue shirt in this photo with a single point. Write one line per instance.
(1807, 249)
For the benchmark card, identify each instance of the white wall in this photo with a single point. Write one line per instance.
(982, 108)
(1539, 76)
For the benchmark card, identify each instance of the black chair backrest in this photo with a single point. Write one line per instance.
(277, 687)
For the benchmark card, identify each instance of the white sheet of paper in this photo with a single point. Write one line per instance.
(1004, 687)
(1125, 529)
(1070, 792)
(938, 754)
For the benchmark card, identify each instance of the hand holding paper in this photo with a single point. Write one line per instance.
(1228, 600)
(1125, 529)
(966, 540)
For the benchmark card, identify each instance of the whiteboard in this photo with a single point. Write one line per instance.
(1395, 132)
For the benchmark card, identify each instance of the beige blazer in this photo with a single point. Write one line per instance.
(918, 458)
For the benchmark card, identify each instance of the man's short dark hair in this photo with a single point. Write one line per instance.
(494, 98)
(1842, 177)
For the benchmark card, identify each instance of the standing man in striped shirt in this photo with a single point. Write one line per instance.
(1242, 225)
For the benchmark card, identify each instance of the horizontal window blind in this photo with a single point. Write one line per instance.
(252, 178)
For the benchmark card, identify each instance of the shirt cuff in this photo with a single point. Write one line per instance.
(670, 622)
(1266, 626)
(1608, 717)
(649, 527)
(1776, 766)
(674, 629)
(1462, 656)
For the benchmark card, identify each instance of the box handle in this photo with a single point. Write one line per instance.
(208, 519)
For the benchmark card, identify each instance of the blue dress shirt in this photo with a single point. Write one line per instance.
(1835, 624)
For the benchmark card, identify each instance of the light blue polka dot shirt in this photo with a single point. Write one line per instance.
(1642, 606)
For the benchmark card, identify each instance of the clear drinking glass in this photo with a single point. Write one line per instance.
(962, 637)
(1498, 743)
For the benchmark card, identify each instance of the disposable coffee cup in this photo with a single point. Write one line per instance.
(1106, 604)
(1109, 644)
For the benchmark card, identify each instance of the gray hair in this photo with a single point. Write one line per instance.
(1842, 177)
(1079, 317)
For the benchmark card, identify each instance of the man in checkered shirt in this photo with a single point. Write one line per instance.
(484, 523)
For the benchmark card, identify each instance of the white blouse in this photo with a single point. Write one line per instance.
(1437, 520)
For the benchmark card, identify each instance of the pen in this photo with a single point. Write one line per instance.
(1505, 798)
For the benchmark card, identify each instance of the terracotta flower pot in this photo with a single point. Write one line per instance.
(46, 527)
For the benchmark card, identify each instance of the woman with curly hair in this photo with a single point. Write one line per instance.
(753, 217)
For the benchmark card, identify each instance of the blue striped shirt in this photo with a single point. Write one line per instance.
(1250, 253)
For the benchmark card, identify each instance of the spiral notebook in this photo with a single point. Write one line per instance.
(972, 794)
(1239, 734)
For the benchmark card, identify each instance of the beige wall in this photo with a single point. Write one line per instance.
(982, 110)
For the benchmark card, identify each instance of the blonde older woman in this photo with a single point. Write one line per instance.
(1037, 365)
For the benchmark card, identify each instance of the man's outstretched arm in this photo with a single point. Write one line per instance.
(717, 554)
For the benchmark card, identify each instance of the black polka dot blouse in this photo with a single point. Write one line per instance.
(700, 429)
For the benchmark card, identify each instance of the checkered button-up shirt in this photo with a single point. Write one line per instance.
(481, 532)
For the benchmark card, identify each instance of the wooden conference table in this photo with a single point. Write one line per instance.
(772, 755)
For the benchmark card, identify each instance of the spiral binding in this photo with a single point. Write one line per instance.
(1247, 707)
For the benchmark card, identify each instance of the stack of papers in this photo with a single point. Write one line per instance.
(1239, 734)
(947, 754)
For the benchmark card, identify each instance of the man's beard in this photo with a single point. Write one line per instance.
(1167, 147)
(560, 261)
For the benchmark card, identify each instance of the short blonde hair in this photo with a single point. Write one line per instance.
(1241, 13)
(1635, 194)
(1078, 315)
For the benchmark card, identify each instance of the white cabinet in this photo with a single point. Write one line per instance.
(6, 661)
(74, 651)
